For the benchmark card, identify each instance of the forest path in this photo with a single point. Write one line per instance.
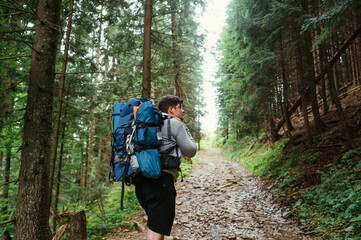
(221, 200)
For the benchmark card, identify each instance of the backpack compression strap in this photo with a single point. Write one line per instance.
(141, 146)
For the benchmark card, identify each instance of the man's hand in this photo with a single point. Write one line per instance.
(188, 159)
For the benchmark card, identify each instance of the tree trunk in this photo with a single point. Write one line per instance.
(352, 65)
(146, 92)
(1, 160)
(60, 101)
(323, 91)
(273, 133)
(33, 205)
(89, 164)
(285, 90)
(347, 67)
(322, 61)
(357, 17)
(310, 71)
(177, 73)
(340, 113)
(100, 147)
(108, 169)
(81, 167)
(93, 119)
(337, 68)
(86, 162)
(6, 178)
(77, 226)
(58, 178)
(109, 155)
(302, 91)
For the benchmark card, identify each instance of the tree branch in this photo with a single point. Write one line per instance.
(19, 30)
(18, 120)
(14, 181)
(14, 8)
(18, 56)
(4, 223)
(79, 73)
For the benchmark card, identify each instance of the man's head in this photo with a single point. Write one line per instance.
(172, 105)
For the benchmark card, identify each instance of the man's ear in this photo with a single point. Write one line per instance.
(170, 110)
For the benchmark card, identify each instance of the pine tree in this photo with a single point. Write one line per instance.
(33, 205)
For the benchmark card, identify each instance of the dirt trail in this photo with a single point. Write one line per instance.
(220, 200)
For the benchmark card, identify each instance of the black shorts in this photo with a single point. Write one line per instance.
(157, 198)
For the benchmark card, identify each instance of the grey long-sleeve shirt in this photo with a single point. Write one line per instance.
(179, 135)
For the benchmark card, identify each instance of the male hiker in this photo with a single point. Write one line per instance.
(157, 196)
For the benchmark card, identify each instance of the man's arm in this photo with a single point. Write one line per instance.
(185, 141)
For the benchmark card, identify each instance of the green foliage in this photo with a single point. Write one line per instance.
(6, 215)
(103, 211)
(334, 15)
(247, 68)
(210, 140)
(333, 207)
(186, 166)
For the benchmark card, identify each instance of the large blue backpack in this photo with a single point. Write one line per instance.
(135, 142)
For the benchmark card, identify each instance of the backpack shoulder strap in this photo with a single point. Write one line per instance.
(168, 128)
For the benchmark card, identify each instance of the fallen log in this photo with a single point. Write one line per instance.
(60, 232)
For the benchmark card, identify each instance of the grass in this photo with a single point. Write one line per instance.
(102, 216)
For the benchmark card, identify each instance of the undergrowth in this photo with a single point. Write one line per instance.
(111, 216)
(186, 167)
(333, 207)
(325, 191)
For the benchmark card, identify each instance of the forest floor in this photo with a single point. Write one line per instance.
(221, 200)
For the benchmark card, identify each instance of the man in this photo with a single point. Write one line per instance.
(157, 196)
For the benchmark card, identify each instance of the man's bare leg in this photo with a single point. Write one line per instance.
(151, 235)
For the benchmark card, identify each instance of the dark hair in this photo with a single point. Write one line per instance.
(169, 101)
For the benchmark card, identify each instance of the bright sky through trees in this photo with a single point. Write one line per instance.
(212, 22)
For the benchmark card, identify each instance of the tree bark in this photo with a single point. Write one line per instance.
(302, 91)
(146, 92)
(58, 178)
(340, 113)
(93, 119)
(6, 178)
(89, 165)
(1, 160)
(285, 90)
(310, 71)
(177, 73)
(60, 101)
(86, 162)
(33, 205)
(77, 226)
(274, 135)
(108, 169)
(100, 147)
(351, 64)
(81, 167)
(356, 21)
